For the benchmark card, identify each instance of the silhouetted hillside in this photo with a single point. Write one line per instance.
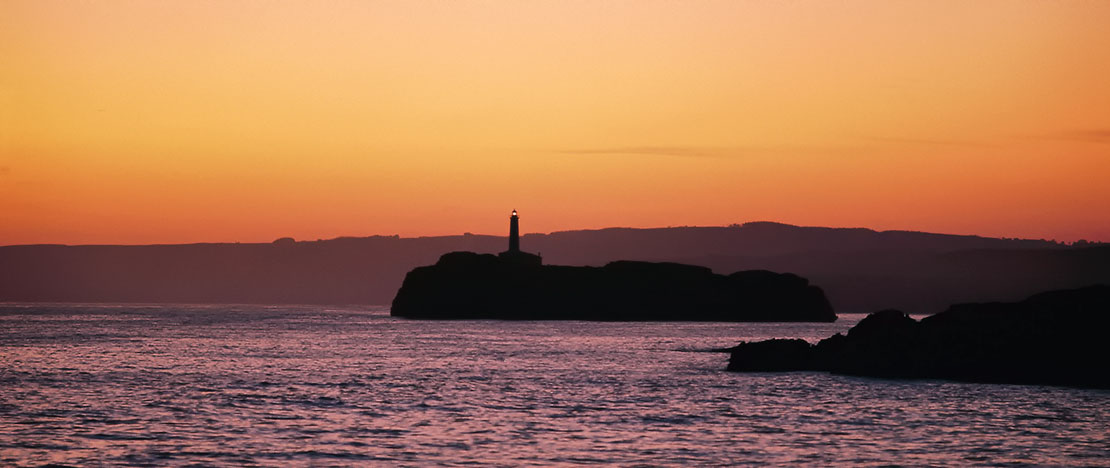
(860, 270)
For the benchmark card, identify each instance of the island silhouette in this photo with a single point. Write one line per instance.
(516, 285)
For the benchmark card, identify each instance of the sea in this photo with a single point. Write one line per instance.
(244, 385)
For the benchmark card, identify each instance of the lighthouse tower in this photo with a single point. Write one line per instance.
(514, 254)
(514, 233)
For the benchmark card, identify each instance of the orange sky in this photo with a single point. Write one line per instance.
(187, 121)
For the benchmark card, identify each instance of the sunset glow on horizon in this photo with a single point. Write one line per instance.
(134, 122)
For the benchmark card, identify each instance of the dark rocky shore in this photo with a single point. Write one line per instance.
(466, 285)
(1055, 338)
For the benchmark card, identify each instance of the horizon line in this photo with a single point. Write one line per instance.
(464, 234)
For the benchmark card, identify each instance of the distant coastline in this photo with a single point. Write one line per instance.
(860, 270)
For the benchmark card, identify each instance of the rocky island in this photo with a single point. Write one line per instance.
(515, 285)
(1054, 338)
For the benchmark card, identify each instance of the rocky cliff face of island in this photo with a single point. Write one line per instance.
(466, 285)
(1054, 338)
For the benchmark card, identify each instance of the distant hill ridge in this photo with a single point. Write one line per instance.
(860, 269)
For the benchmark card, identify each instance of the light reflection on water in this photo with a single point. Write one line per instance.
(168, 385)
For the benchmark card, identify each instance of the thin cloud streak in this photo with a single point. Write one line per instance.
(927, 141)
(1092, 136)
(705, 151)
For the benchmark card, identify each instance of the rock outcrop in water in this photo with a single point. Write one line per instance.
(1055, 338)
(466, 285)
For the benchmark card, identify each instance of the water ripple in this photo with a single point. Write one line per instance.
(295, 386)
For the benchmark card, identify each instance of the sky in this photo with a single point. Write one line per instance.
(134, 122)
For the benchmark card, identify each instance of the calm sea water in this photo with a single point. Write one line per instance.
(235, 385)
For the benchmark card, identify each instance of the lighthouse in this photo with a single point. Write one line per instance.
(514, 233)
(514, 254)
